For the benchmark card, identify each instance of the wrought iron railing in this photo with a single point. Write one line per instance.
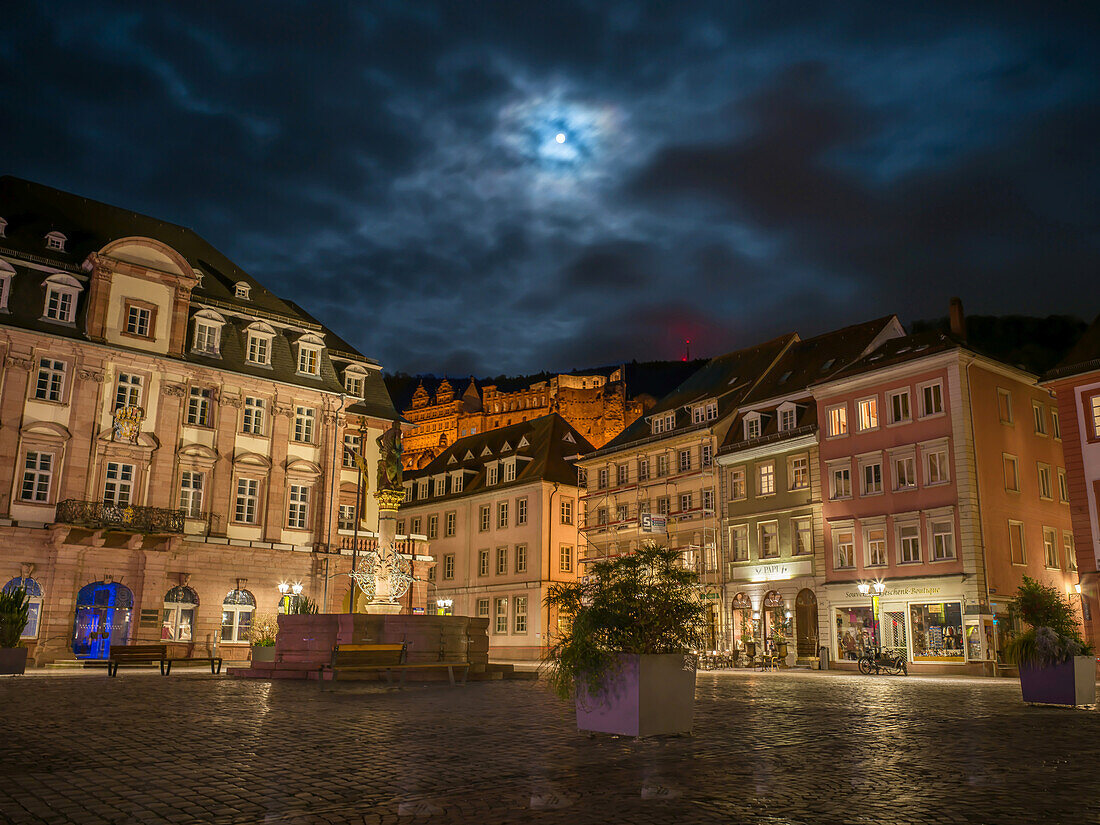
(120, 517)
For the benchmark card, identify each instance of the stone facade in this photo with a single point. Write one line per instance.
(171, 435)
(597, 406)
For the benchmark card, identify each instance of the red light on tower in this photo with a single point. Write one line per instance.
(687, 350)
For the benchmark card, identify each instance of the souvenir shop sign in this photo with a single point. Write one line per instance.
(931, 590)
(776, 571)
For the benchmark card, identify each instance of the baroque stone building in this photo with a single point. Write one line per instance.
(171, 435)
(597, 406)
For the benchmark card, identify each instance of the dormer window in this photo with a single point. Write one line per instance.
(260, 336)
(701, 413)
(787, 418)
(663, 423)
(492, 473)
(61, 294)
(309, 355)
(242, 290)
(55, 240)
(354, 381)
(208, 333)
(7, 272)
(754, 425)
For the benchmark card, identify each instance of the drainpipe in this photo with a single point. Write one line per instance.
(981, 521)
(549, 566)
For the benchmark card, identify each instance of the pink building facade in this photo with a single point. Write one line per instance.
(905, 481)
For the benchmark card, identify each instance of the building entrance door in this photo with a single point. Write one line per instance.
(805, 605)
(103, 614)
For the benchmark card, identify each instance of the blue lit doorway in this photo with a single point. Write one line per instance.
(102, 619)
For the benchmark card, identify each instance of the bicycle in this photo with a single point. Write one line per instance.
(879, 661)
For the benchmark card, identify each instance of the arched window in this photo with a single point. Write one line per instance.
(179, 614)
(34, 610)
(237, 612)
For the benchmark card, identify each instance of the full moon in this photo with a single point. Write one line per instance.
(560, 137)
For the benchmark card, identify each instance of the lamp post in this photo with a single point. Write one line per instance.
(865, 589)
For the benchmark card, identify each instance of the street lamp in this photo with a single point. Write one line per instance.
(865, 589)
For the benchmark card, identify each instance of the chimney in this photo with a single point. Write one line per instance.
(958, 320)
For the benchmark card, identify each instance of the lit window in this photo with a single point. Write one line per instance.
(836, 419)
(765, 478)
(799, 473)
(237, 612)
(309, 360)
(191, 484)
(867, 410)
(37, 475)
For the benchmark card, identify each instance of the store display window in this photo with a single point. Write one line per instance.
(855, 631)
(937, 632)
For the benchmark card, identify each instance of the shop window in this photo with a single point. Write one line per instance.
(237, 610)
(34, 604)
(855, 631)
(180, 604)
(937, 632)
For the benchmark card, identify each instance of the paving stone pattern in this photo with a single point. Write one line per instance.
(775, 748)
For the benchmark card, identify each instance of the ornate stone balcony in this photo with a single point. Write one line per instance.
(97, 515)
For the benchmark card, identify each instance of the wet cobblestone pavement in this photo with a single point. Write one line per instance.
(776, 748)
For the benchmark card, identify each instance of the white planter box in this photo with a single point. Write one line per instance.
(646, 695)
(1070, 683)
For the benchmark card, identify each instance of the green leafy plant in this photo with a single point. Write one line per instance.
(302, 606)
(1054, 636)
(14, 614)
(644, 602)
(263, 630)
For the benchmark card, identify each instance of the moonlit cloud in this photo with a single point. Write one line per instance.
(727, 171)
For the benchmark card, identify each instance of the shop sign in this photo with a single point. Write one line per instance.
(931, 590)
(776, 571)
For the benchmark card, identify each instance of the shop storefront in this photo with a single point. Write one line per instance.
(768, 605)
(928, 621)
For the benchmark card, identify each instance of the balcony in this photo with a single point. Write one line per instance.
(97, 515)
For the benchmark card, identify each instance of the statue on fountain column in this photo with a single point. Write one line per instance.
(389, 487)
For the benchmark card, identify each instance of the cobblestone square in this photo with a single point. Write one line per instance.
(775, 748)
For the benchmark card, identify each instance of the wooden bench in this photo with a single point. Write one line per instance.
(386, 658)
(148, 654)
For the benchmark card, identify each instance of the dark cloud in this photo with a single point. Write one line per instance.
(728, 171)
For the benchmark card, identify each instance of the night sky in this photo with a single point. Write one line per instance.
(490, 188)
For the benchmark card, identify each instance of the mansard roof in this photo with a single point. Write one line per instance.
(550, 442)
(32, 210)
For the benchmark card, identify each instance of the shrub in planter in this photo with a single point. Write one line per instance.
(1056, 665)
(14, 613)
(262, 635)
(624, 654)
